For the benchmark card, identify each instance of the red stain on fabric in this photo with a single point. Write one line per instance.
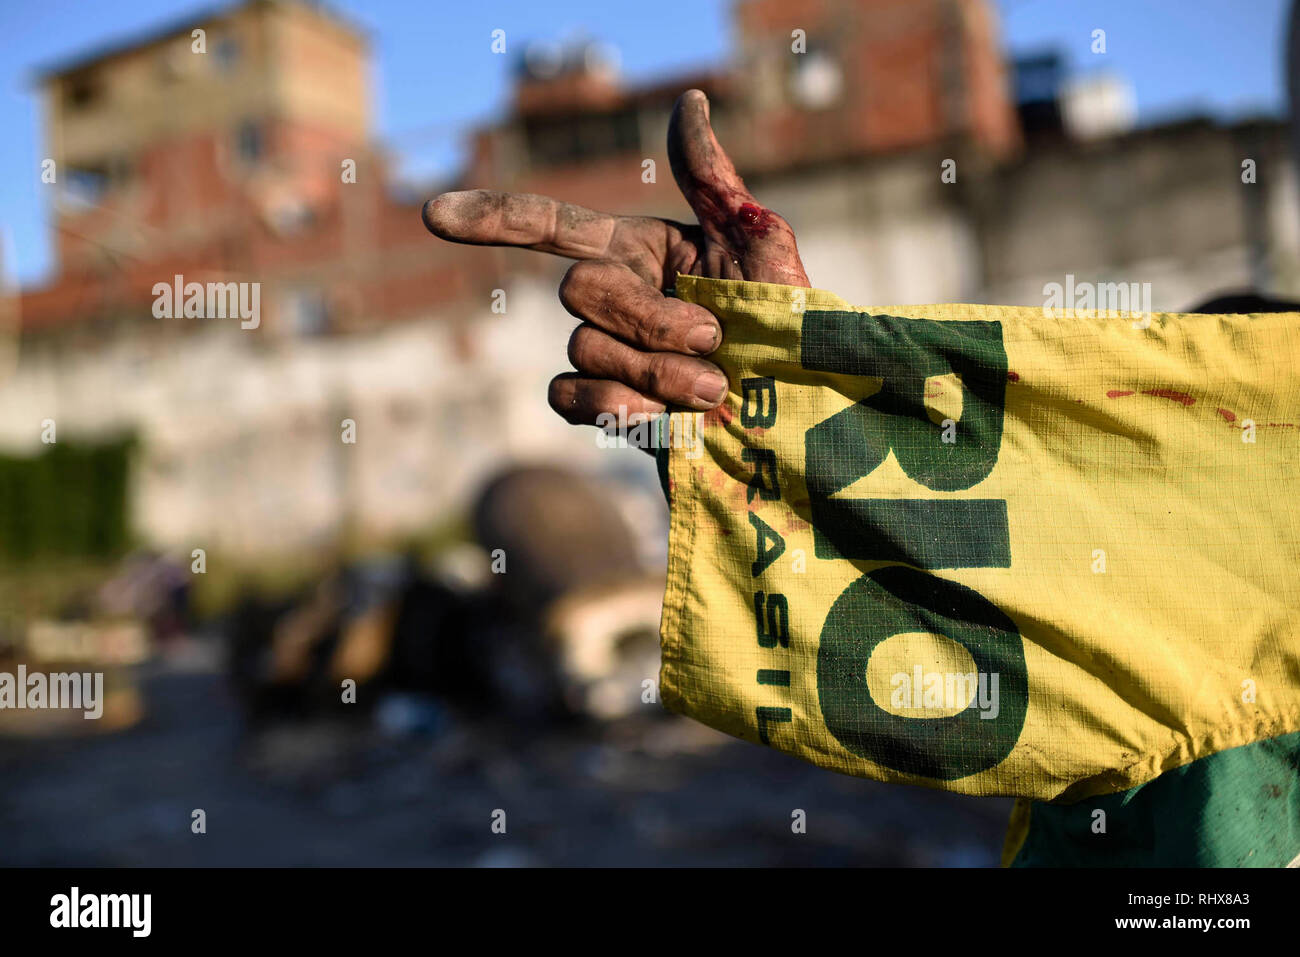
(1181, 397)
(1013, 376)
(754, 220)
(1228, 415)
(718, 415)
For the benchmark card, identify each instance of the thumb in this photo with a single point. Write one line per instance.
(742, 239)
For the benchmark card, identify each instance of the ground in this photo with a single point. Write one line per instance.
(641, 792)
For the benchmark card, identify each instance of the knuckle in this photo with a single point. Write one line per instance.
(577, 345)
(597, 291)
(574, 286)
(561, 395)
(664, 332)
(665, 327)
(658, 374)
(585, 347)
(587, 288)
(652, 328)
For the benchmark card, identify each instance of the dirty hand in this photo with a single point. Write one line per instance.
(636, 347)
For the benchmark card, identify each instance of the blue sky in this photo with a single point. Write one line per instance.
(434, 75)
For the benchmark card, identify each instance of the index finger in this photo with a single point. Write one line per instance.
(488, 217)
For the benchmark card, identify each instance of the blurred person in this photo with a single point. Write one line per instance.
(639, 349)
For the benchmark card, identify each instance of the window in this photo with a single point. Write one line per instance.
(249, 144)
(555, 141)
(82, 92)
(226, 54)
(120, 171)
(86, 185)
(175, 60)
(306, 311)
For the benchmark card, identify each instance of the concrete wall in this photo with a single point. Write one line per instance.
(1164, 206)
(241, 431)
(242, 445)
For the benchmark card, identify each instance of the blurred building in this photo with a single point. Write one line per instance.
(232, 165)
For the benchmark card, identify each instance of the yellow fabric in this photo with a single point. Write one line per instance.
(1017, 830)
(1150, 578)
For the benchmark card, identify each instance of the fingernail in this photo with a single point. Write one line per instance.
(711, 387)
(703, 338)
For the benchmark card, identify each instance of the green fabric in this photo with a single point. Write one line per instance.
(1237, 808)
